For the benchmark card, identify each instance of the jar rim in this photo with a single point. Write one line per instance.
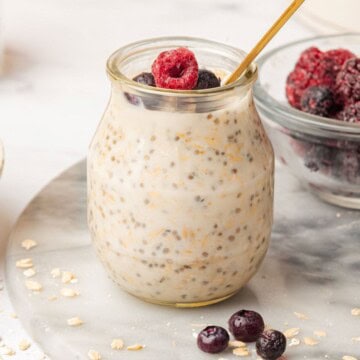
(248, 77)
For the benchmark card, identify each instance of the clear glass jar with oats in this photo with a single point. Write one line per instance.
(180, 183)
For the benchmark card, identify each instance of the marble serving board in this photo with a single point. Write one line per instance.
(312, 269)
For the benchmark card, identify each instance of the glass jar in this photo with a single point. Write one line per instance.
(180, 183)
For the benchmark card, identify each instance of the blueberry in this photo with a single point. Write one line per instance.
(207, 80)
(318, 100)
(145, 78)
(213, 339)
(271, 344)
(246, 325)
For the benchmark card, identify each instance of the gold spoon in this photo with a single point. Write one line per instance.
(287, 14)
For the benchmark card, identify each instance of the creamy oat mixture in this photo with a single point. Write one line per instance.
(180, 204)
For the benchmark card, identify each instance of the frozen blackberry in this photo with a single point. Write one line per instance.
(350, 114)
(318, 100)
(348, 81)
(271, 344)
(246, 325)
(207, 80)
(145, 78)
(213, 339)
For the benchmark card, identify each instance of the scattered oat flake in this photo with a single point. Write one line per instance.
(117, 344)
(33, 285)
(241, 351)
(67, 276)
(356, 339)
(67, 292)
(7, 351)
(236, 344)
(52, 298)
(55, 273)
(310, 341)
(94, 355)
(13, 315)
(348, 357)
(135, 347)
(355, 312)
(294, 342)
(75, 321)
(29, 272)
(320, 333)
(301, 316)
(28, 244)
(24, 345)
(290, 333)
(24, 263)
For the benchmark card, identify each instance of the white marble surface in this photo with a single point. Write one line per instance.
(312, 268)
(54, 88)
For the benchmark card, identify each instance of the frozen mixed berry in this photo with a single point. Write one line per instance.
(207, 80)
(176, 69)
(271, 344)
(351, 113)
(213, 339)
(145, 78)
(318, 100)
(319, 157)
(346, 166)
(314, 68)
(348, 81)
(246, 325)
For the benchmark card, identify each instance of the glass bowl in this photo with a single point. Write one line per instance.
(324, 154)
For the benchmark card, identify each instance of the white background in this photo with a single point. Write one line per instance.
(54, 88)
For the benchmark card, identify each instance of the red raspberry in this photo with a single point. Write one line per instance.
(348, 81)
(176, 69)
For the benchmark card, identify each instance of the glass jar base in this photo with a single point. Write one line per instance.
(349, 202)
(187, 304)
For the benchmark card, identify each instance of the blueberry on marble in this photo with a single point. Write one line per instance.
(271, 344)
(246, 325)
(213, 339)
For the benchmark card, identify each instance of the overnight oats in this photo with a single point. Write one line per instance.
(180, 179)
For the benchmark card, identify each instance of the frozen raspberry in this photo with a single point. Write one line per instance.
(145, 78)
(246, 325)
(350, 114)
(207, 80)
(318, 100)
(348, 81)
(340, 56)
(213, 339)
(271, 344)
(310, 58)
(176, 69)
